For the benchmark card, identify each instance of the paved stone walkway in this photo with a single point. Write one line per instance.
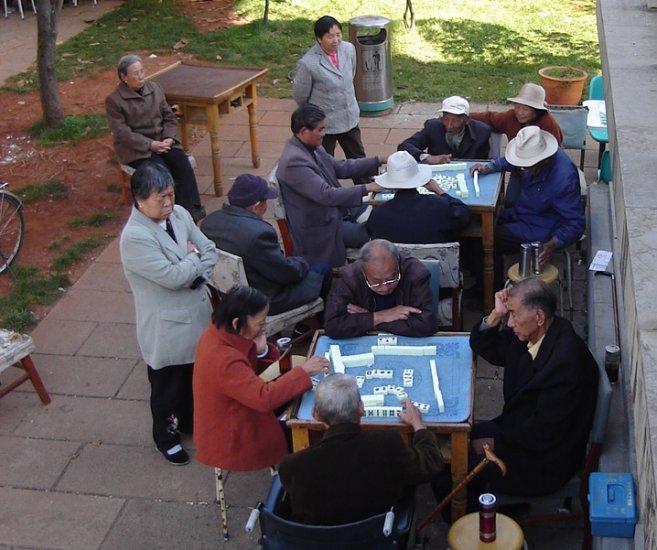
(82, 472)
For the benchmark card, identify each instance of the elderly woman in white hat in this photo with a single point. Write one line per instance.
(549, 208)
(411, 217)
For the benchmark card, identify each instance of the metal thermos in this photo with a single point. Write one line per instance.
(537, 248)
(524, 269)
(284, 347)
(612, 362)
(487, 519)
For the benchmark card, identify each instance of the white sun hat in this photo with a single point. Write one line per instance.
(531, 95)
(530, 146)
(404, 172)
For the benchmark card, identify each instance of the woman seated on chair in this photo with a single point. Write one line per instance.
(144, 127)
(235, 427)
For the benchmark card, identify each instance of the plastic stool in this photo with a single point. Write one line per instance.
(549, 274)
(464, 534)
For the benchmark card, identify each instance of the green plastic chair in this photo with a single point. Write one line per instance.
(601, 135)
(605, 174)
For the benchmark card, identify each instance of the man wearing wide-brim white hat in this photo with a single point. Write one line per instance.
(549, 208)
(453, 135)
(411, 217)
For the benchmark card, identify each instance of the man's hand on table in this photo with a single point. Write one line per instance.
(481, 168)
(373, 187)
(411, 416)
(437, 159)
(478, 445)
(397, 313)
(432, 186)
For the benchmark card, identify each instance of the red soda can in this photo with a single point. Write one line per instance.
(487, 528)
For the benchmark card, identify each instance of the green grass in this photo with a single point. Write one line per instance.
(94, 220)
(59, 242)
(29, 288)
(76, 252)
(51, 189)
(485, 50)
(75, 129)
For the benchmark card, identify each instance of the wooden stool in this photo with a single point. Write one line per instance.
(464, 534)
(15, 351)
(549, 275)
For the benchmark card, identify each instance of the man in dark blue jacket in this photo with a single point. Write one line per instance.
(453, 135)
(239, 228)
(549, 207)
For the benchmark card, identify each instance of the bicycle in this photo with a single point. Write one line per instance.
(11, 227)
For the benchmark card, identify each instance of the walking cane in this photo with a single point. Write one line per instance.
(489, 456)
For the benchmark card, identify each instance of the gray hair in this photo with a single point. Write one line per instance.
(150, 177)
(377, 251)
(125, 62)
(337, 398)
(535, 294)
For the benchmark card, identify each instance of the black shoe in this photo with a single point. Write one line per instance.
(176, 455)
(300, 329)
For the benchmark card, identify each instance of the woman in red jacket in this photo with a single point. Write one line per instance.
(235, 427)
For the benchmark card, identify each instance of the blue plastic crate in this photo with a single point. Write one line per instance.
(612, 508)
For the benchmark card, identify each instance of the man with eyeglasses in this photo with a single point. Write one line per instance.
(385, 291)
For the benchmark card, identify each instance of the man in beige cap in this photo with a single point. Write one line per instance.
(453, 135)
(549, 207)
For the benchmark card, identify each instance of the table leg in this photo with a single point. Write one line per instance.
(184, 137)
(459, 471)
(488, 241)
(253, 128)
(212, 114)
(300, 438)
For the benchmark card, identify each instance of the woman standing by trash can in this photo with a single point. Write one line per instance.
(325, 77)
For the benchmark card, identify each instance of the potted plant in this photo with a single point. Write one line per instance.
(563, 85)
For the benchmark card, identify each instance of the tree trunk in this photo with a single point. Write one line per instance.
(47, 18)
(265, 19)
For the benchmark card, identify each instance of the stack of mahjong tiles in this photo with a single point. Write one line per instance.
(375, 402)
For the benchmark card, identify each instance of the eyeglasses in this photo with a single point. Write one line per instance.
(374, 286)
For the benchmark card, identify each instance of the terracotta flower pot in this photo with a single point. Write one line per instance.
(563, 85)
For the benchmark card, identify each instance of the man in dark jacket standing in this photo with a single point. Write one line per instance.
(239, 228)
(453, 135)
(353, 474)
(550, 392)
(384, 290)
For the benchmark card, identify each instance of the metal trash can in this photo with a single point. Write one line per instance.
(373, 81)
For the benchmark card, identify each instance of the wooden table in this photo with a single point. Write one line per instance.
(485, 210)
(456, 370)
(464, 534)
(204, 94)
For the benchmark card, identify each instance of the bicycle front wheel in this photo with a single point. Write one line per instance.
(11, 229)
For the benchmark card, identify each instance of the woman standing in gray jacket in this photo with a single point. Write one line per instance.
(167, 261)
(325, 77)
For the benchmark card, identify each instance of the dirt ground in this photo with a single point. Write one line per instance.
(89, 169)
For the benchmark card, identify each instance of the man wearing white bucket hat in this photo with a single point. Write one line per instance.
(549, 207)
(453, 135)
(529, 109)
(411, 217)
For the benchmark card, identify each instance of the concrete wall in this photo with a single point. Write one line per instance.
(628, 46)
